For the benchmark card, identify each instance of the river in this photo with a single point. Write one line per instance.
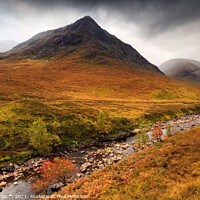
(99, 154)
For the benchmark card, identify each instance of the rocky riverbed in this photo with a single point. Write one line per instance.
(16, 179)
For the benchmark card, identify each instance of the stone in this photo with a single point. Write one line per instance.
(135, 131)
(122, 135)
(125, 146)
(101, 166)
(133, 142)
(55, 187)
(3, 184)
(1, 189)
(16, 179)
(15, 183)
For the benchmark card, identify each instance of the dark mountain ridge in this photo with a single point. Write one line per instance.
(85, 39)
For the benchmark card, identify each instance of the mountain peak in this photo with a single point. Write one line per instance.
(84, 39)
(85, 22)
(87, 17)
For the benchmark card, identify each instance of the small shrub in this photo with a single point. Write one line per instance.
(101, 121)
(141, 138)
(169, 130)
(157, 133)
(60, 170)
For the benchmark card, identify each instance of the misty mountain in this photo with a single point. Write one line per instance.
(182, 69)
(6, 45)
(82, 40)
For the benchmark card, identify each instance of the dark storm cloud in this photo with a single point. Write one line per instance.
(158, 29)
(154, 16)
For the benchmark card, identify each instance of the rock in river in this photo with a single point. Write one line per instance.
(3, 184)
(122, 135)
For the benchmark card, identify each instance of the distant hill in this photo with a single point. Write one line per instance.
(6, 45)
(84, 39)
(182, 69)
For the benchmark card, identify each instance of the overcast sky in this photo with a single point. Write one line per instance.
(158, 29)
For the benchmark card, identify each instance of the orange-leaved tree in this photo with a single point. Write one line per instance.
(60, 170)
(157, 132)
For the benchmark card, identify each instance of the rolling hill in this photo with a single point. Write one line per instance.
(182, 69)
(6, 45)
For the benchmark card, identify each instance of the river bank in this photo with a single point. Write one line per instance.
(16, 180)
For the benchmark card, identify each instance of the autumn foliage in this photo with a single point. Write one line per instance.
(58, 171)
(157, 132)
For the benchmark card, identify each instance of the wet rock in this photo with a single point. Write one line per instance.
(133, 143)
(125, 146)
(3, 184)
(135, 131)
(9, 168)
(16, 166)
(122, 135)
(16, 179)
(101, 166)
(55, 187)
(1, 189)
(84, 167)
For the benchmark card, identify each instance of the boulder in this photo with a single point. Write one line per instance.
(125, 146)
(135, 131)
(10, 167)
(55, 187)
(133, 142)
(3, 184)
(122, 135)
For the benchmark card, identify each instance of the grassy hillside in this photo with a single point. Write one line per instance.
(69, 94)
(77, 78)
(169, 170)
